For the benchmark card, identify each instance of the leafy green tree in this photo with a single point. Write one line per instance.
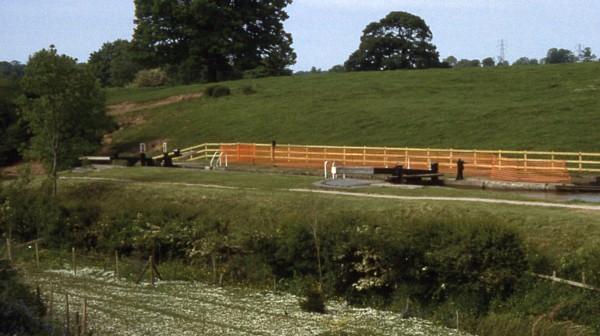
(558, 56)
(114, 64)
(465, 63)
(451, 61)
(213, 40)
(522, 61)
(12, 70)
(65, 109)
(337, 68)
(488, 62)
(13, 131)
(587, 55)
(399, 41)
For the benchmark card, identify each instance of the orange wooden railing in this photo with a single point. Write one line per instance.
(525, 166)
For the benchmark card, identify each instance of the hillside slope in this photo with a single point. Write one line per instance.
(551, 107)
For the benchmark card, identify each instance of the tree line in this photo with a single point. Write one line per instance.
(184, 41)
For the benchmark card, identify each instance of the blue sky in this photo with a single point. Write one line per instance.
(325, 31)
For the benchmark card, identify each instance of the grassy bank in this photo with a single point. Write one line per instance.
(259, 232)
(552, 107)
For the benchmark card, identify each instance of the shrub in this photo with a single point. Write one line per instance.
(216, 91)
(21, 311)
(150, 78)
(248, 90)
(314, 300)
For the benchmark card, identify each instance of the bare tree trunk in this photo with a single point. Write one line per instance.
(317, 249)
(54, 172)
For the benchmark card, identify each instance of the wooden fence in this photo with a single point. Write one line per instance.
(523, 166)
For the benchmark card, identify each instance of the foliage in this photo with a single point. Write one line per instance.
(314, 300)
(526, 61)
(13, 130)
(21, 312)
(212, 40)
(217, 91)
(488, 62)
(12, 70)
(399, 41)
(558, 56)
(248, 90)
(64, 107)
(587, 55)
(114, 63)
(451, 61)
(337, 68)
(150, 78)
(465, 63)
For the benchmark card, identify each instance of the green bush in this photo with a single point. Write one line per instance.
(21, 312)
(248, 90)
(217, 91)
(314, 300)
(150, 78)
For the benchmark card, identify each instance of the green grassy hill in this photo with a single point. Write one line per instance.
(552, 107)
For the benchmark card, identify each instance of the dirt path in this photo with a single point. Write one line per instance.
(191, 308)
(126, 107)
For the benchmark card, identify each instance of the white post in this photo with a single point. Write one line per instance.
(333, 171)
(325, 169)
(165, 147)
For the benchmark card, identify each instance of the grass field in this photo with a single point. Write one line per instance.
(551, 107)
(557, 233)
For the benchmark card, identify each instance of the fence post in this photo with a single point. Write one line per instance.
(116, 265)
(525, 160)
(428, 158)
(84, 317)
(406, 160)
(475, 158)
(306, 154)
(8, 250)
(451, 158)
(67, 319)
(344, 155)
(364, 155)
(385, 157)
(288, 153)
(37, 255)
(73, 266)
(552, 157)
(500, 159)
(580, 162)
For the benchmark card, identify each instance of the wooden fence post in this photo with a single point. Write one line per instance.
(580, 162)
(525, 160)
(67, 319)
(37, 255)
(50, 306)
(84, 317)
(116, 265)
(364, 155)
(73, 266)
(8, 250)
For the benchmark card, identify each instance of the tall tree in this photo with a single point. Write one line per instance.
(65, 109)
(399, 41)
(213, 39)
(114, 63)
(13, 131)
(488, 62)
(451, 61)
(587, 55)
(557, 56)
